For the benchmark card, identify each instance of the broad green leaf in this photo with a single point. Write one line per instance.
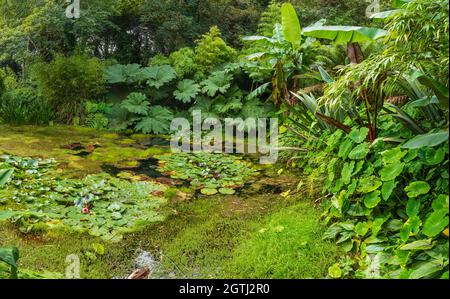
(5, 175)
(157, 121)
(399, 3)
(9, 256)
(347, 170)
(391, 171)
(335, 271)
(217, 82)
(186, 91)
(324, 74)
(369, 184)
(393, 155)
(359, 152)
(423, 244)
(441, 202)
(344, 34)
(136, 103)
(208, 191)
(440, 91)
(387, 189)
(227, 191)
(385, 14)
(417, 188)
(435, 223)
(426, 269)
(290, 24)
(429, 139)
(434, 157)
(361, 228)
(405, 231)
(158, 75)
(358, 135)
(412, 207)
(345, 148)
(377, 225)
(372, 199)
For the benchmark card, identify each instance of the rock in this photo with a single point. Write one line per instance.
(140, 274)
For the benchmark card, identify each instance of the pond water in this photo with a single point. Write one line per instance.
(81, 152)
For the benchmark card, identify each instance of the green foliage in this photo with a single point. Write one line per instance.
(286, 244)
(183, 62)
(96, 115)
(9, 256)
(99, 204)
(369, 212)
(119, 73)
(159, 75)
(156, 121)
(290, 24)
(68, 81)
(5, 175)
(145, 118)
(23, 106)
(209, 173)
(186, 91)
(217, 82)
(211, 50)
(136, 103)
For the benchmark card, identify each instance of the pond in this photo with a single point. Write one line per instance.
(122, 202)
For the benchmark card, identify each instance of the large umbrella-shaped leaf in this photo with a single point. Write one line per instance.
(157, 121)
(344, 34)
(158, 75)
(136, 103)
(186, 91)
(292, 30)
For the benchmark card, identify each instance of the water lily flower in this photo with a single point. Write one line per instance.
(85, 211)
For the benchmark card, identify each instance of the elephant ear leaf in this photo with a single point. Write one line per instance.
(345, 34)
(436, 223)
(292, 30)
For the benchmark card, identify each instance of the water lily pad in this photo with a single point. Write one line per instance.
(208, 191)
(227, 191)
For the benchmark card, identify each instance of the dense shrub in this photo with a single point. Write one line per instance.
(212, 50)
(68, 81)
(183, 62)
(23, 106)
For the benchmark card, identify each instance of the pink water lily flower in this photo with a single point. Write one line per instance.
(85, 211)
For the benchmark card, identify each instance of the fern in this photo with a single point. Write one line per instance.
(136, 103)
(187, 90)
(217, 82)
(157, 121)
(158, 75)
